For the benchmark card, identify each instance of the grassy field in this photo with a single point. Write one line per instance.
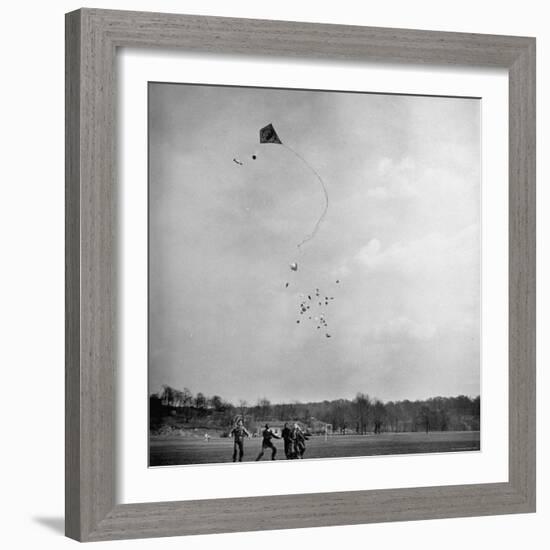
(194, 450)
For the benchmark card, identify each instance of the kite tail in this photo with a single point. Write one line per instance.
(310, 236)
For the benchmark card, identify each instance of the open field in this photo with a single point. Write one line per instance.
(190, 450)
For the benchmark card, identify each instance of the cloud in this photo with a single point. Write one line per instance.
(369, 254)
(397, 179)
(402, 328)
(433, 251)
(404, 320)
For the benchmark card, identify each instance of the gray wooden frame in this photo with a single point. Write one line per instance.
(92, 38)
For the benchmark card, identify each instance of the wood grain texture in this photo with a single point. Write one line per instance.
(522, 275)
(72, 277)
(92, 37)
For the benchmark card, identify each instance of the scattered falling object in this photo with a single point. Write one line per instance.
(237, 162)
(286, 286)
(315, 311)
(337, 281)
(253, 157)
(294, 266)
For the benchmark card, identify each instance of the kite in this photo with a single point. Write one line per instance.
(307, 306)
(268, 134)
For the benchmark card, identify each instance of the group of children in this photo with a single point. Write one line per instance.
(294, 441)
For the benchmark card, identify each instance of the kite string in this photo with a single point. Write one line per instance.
(310, 236)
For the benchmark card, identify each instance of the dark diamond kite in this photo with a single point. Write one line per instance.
(269, 135)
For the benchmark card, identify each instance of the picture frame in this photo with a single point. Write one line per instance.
(92, 39)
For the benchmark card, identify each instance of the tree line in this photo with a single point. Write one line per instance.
(360, 415)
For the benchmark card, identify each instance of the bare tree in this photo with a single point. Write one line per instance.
(200, 401)
(187, 397)
(167, 395)
(362, 404)
(379, 415)
(243, 405)
(264, 407)
(216, 402)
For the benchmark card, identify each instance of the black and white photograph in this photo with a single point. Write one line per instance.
(314, 274)
(270, 275)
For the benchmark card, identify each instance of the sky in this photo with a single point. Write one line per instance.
(401, 235)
